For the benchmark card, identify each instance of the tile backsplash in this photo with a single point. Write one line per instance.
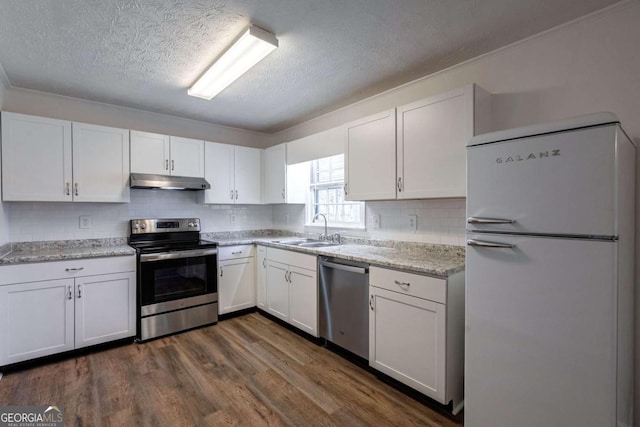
(438, 221)
(61, 221)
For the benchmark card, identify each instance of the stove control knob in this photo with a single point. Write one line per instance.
(191, 224)
(136, 226)
(143, 225)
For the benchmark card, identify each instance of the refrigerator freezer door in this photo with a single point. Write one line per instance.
(540, 332)
(561, 183)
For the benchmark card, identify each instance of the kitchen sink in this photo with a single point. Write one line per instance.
(318, 244)
(306, 243)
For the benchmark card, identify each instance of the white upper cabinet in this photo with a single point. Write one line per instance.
(248, 171)
(149, 153)
(275, 174)
(36, 159)
(100, 164)
(432, 135)
(187, 157)
(234, 174)
(55, 160)
(219, 170)
(370, 157)
(166, 155)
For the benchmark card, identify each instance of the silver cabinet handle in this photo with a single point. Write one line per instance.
(283, 191)
(264, 263)
(371, 302)
(236, 253)
(480, 220)
(68, 188)
(290, 281)
(231, 194)
(399, 184)
(69, 294)
(286, 279)
(74, 269)
(346, 189)
(403, 284)
(166, 164)
(236, 194)
(76, 186)
(173, 165)
(486, 244)
(79, 292)
(221, 272)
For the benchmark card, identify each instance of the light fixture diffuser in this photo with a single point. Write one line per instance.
(246, 52)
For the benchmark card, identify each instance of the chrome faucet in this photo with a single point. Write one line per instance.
(326, 233)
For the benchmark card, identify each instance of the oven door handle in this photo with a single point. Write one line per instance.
(177, 254)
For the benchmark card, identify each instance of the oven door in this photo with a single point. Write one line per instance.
(169, 276)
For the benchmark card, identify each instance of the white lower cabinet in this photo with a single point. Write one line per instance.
(261, 278)
(416, 332)
(292, 288)
(236, 278)
(83, 303)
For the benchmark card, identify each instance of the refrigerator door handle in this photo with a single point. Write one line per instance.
(480, 220)
(485, 244)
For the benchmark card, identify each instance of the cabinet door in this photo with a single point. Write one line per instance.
(105, 308)
(261, 278)
(248, 173)
(218, 172)
(37, 320)
(100, 164)
(371, 148)
(275, 174)
(432, 137)
(149, 153)
(236, 285)
(407, 340)
(187, 157)
(278, 290)
(304, 300)
(36, 159)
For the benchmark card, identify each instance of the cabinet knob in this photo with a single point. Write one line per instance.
(166, 164)
(70, 295)
(68, 188)
(402, 284)
(173, 165)
(236, 194)
(400, 184)
(371, 302)
(221, 272)
(79, 291)
(76, 187)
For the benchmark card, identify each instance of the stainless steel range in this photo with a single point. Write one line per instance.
(177, 280)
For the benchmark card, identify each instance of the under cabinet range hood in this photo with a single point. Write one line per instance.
(144, 180)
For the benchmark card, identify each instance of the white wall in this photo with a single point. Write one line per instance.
(62, 107)
(589, 65)
(4, 221)
(60, 221)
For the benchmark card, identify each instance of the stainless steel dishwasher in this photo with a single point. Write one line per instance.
(344, 304)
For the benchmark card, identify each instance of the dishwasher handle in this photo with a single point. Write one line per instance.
(349, 268)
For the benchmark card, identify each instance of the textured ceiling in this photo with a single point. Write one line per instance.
(145, 54)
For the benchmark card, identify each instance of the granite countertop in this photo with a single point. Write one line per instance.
(430, 259)
(60, 250)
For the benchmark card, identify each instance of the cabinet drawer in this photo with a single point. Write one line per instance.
(310, 262)
(410, 284)
(33, 272)
(234, 252)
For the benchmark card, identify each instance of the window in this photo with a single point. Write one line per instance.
(327, 195)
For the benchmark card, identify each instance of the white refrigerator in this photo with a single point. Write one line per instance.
(549, 276)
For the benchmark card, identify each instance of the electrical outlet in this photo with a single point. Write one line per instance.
(232, 219)
(374, 221)
(413, 222)
(85, 222)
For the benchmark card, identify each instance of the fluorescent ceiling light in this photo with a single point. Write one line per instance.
(246, 52)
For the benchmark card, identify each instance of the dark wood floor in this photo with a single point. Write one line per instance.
(242, 371)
